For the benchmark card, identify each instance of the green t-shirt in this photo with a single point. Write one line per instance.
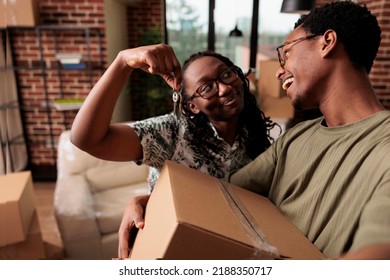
(332, 183)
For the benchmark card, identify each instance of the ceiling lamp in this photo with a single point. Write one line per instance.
(297, 6)
(235, 32)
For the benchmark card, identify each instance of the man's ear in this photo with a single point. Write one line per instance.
(329, 41)
(194, 109)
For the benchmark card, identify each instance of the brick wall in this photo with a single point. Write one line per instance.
(39, 81)
(380, 72)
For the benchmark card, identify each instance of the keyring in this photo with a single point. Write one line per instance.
(177, 102)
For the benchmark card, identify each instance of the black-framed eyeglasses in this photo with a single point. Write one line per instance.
(283, 55)
(210, 88)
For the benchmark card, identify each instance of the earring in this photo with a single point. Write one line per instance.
(177, 102)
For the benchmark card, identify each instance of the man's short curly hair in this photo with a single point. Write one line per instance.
(357, 29)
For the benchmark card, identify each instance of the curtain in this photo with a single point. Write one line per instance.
(13, 152)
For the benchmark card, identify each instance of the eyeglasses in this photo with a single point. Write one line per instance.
(210, 88)
(282, 56)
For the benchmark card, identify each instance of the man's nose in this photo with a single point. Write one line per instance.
(279, 72)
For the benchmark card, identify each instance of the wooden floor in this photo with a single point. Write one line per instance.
(44, 197)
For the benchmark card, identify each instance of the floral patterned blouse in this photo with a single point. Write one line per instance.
(170, 138)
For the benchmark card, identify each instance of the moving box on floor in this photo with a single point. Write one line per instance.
(30, 249)
(191, 215)
(17, 206)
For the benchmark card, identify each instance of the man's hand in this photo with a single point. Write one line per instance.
(132, 217)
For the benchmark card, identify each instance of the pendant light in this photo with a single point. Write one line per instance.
(235, 32)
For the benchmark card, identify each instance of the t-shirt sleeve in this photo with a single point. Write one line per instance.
(374, 223)
(257, 175)
(158, 137)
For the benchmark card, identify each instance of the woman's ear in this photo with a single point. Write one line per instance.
(194, 109)
(329, 41)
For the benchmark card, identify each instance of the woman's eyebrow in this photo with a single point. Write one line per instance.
(206, 78)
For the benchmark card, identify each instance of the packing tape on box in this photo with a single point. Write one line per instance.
(263, 250)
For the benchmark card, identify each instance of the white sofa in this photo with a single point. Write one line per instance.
(89, 200)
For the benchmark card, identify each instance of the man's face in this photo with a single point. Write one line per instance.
(299, 68)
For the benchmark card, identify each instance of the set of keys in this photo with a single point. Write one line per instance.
(177, 102)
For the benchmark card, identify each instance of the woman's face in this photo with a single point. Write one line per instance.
(228, 100)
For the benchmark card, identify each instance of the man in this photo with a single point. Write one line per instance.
(331, 176)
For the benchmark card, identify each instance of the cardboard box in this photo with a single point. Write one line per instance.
(30, 249)
(277, 107)
(23, 13)
(269, 85)
(190, 215)
(17, 206)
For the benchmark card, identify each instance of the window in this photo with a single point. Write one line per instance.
(188, 27)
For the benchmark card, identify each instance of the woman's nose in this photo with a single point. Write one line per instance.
(222, 88)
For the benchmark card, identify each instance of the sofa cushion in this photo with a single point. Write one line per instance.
(115, 174)
(72, 160)
(110, 204)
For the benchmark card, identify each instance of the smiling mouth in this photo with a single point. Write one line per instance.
(229, 101)
(287, 83)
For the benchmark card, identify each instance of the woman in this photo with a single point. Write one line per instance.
(220, 130)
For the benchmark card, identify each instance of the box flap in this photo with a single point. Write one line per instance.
(193, 243)
(278, 230)
(200, 203)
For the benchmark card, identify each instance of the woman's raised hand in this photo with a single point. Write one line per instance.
(155, 59)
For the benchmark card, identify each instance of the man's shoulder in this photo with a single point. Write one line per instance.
(384, 117)
(305, 125)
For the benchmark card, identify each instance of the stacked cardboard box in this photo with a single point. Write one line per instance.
(30, 249)
(272, 98)
(269, 85)
(20, 236)
(19, 13)
(191, 215)
(17, 207)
